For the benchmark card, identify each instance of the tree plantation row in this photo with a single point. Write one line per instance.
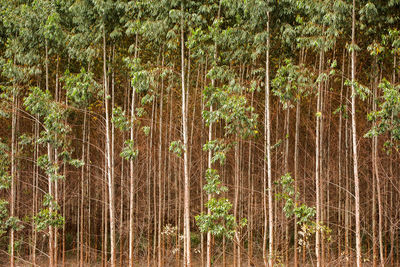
(199, 133)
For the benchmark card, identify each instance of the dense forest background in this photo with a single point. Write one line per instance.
(199, 133)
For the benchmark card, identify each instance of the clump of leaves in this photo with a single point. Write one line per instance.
(304, 214)
(81, 87)
(120, 119)
(176, 147)
(49, 215)
(218, 221)
(129, 152)
(387, 118)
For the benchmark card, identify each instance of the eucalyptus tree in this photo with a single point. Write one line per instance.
(9, 221)
(385, 121)
(81, 90)
(54, 136)
(239, 120)
(259, 16)
(131, 29)
(318, 25)
(354, 137)
(99, 21)
(26, 41)
(291, 84)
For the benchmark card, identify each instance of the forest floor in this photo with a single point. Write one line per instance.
(72, 262)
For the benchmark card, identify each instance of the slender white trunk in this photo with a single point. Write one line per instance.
(160, 166)
(354, 139)
(185, 153)
(132, 175)
(317, 168)
(13, 172)
(109, 157)
(268, 259)
(296, 174)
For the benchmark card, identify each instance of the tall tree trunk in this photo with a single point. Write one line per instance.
(354, 139)
(250, 184)
(186, 200)
(132, 174)
(340, 157)
(317, 162)
(286, 221)
(50, 182)
(268, 259)
(160, 166)
(81, 264)
(109, 157)
(13, 171)
(35, 189)
(236, 248)
(296, 174)
(378, 184)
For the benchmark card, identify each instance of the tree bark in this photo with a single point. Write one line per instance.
(354, 139)
(109, 158)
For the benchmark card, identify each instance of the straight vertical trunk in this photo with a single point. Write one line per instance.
(109, 158)
(296, 174)
(13, 171)
(340, 158)
(82, 190)
(186, 200)
(317, 167)
(160, 166)
(132, 175)
(236, 245)
(268, 259)
(354, 140)
(378, 184)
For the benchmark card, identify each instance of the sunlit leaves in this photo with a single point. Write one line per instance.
(8, 222)
(219, 222)
(81, 87)
(232, 108)
(214, 184)
(387, 117)
(49, 215)
(291, 83)
(360, 90)
(129, 152)
(120, 120)
(176, 147)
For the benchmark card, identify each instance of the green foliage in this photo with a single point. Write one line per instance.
(8, 222)
(141, 79)
(50, 168)
(360, 90)
(291, 83)
(38, 101)
(342, 109)
(176, 147)
(120, 120)
(76, 163)
(49, 216)
(129, 152)
(146, 130)
(387, 118)
(214, 184)
(304, 214)
(219, 222)
(231, 107)
(81, 87)
(219, 150)
(5, 177)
